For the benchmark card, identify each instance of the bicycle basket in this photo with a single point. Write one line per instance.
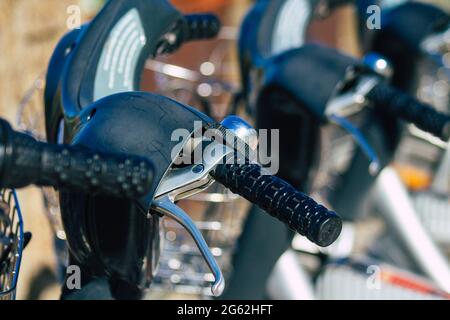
(218, 213)
(208, 85)
(11, 243)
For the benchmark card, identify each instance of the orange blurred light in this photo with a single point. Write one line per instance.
(414, 178)
(199, 5)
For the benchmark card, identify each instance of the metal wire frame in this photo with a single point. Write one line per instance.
(12, 235)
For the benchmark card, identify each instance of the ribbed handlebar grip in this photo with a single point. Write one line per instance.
(400, 104)
(282, 201)
(190, 28)
(25, 161)
(201, 26)
(332, 4)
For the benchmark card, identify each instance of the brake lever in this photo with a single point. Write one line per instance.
(180, 183)
(375, 164)
(166, 207)
(350, 103)
(184, 182)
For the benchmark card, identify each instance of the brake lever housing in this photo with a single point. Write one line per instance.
(182, 182)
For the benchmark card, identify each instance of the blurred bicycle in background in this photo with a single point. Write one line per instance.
(206, 77)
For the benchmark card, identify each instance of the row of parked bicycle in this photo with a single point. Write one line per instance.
(137, 221)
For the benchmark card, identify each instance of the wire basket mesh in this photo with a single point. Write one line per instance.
(364, 279)
(217, 212)
(30, 119)
(425, 157)
(207, 83)
(11, 243)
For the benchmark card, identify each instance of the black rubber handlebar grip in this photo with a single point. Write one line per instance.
(25, 161)
(333, 4)
(200, 26)
(282, 201)
(404, 106)
(190, 28)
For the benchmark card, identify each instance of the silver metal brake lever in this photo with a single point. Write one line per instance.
(166, 207)
(349, 103)
(184, 182)
(180, 183)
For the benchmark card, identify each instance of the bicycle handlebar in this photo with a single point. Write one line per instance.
(192, 27)
(200, 26)
(401, 104)
(25, 161)
(282, 201)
